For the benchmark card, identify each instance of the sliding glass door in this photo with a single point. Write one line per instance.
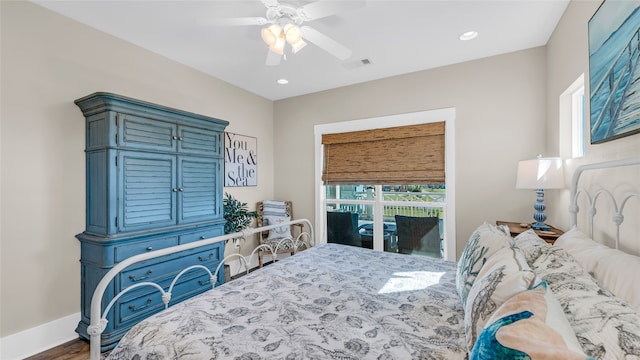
(408, 219)
(394, 177)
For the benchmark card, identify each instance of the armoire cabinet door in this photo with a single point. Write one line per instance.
(147, 190)
(143, 133)
(198, 181)
(195, 140)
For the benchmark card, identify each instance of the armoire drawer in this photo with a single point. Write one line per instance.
(133, 309)
(201, 235)
(170, 267)
(127, 250)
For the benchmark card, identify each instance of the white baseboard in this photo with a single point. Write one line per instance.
(40, 338)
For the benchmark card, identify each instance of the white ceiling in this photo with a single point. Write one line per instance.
(397, 37)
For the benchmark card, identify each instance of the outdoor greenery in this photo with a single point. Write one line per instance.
(237, 214)
(414, 188)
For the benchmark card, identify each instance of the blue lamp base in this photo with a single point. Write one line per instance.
(539, 216)
(540, 226)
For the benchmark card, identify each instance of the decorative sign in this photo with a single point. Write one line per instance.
(240, 160)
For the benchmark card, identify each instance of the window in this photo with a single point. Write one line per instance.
(577, 122)
(571, 120)
(376, 203)
(371, 204)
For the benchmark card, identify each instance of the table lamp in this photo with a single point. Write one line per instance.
(539, 174)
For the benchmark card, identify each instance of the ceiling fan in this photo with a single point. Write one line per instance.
(284, 26)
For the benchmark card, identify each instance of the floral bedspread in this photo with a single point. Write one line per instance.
(329, 302)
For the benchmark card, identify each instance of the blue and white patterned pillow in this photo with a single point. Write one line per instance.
(531, 244)
(505, 274)
(483, 242)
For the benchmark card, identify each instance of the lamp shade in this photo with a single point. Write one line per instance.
(540, 173)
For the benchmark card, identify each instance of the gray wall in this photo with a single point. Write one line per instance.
(47, 62)
(567, 58)
(500, 119)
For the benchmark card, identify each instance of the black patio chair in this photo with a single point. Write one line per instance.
(342, 228)
(419, 235)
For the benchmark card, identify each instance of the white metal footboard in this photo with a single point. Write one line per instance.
(99, 321)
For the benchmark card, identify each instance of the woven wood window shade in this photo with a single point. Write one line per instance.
(411, 154)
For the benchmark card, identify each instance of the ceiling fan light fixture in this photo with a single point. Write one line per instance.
(271, 34)
(277, 50)
(292, 33)
(278, 47)
(298, 46)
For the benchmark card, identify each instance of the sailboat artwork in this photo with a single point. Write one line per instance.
(614, 80)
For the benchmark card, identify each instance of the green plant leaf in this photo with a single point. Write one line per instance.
(237, 215)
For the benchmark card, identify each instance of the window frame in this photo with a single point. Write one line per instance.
(571, 122)
(577, 122)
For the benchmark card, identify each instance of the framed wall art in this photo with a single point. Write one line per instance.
(614, 74)
(240, 160)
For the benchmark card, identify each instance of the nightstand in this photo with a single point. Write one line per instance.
(548, 236)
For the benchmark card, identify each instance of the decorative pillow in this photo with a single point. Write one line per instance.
(613, 269)
(274, 207)
(505, 274)
(606, 326)
(279, 232)
(504, 229)
(483, 242)
(581, 247)
(531, 324)
(531, 245)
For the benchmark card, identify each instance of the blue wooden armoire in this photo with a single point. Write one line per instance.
(154, 180)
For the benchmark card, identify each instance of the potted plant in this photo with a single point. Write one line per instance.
(237, 214)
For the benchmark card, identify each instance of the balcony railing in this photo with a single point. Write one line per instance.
(423, 204)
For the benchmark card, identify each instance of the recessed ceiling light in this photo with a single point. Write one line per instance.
(283, 81)
(468, 35)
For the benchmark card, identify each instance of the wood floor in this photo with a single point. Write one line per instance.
(72, 350)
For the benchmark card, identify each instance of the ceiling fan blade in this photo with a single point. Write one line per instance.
(326, 43)
(240, 21)
(320, 9)
(273, 59)
(270, 3)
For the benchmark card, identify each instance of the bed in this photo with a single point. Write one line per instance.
(331, 301)
(505, 296)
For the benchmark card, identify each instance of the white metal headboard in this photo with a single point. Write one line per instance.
(592, 198)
